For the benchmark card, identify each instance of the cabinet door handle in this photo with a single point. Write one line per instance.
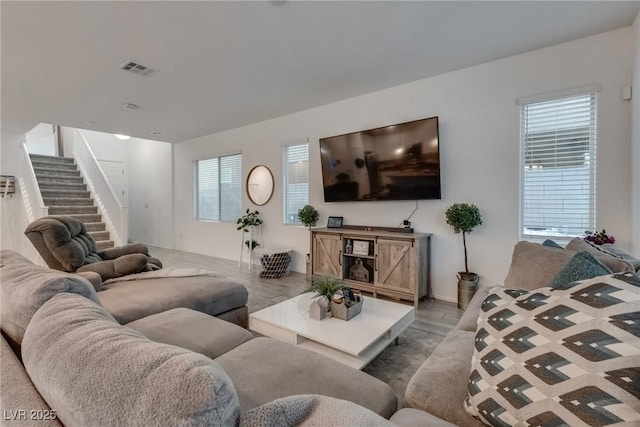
(376, 262)
(340, 258)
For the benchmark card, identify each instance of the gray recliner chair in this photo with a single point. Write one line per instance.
(64, 244)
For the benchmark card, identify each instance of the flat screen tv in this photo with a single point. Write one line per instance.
(398, 162)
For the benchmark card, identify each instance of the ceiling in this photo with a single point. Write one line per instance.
(226, 64)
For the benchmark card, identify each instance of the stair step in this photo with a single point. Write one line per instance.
(99, 235)
(72, 210)
(47, 164)
(95, 226)
(55, 159)
(104, 244)
(51, 179)
(88, 217)
(61, 186)
(64, 201)
(65, 194)
(46, 172)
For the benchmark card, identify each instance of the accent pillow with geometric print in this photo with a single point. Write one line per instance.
(568, 356)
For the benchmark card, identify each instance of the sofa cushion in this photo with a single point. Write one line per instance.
(533, 265)
(625, 255)
(92, 370)
(614, 262)
(566, 356)
(25, 287)
(19, 394)
(439, 386)
(131, 300)
(192, 330)
(582, 266)
(265, 369)
(311, 410)
(409, 417)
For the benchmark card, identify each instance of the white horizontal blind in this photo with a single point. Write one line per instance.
(558, 143)
(218, 188)
(295, 162)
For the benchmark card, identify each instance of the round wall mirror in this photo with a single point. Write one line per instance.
(260, 185)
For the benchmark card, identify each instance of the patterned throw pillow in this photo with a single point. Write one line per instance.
(568, 356)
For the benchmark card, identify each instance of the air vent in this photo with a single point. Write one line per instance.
(139, 69)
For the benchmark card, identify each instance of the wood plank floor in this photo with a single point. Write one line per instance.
(432, 316)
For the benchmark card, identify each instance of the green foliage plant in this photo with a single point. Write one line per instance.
(463, 218)
(250, 219)
(326, 286)
(308, 216)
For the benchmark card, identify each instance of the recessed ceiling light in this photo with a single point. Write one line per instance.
(122, 137)
(156, 133)
(129, 106)
(90, 122)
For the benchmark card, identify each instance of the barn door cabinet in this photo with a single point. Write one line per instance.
(380, 262)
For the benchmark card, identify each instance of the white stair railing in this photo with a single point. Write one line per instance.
(114, 213)
(29, 188)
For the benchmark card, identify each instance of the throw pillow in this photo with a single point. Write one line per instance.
(613, 262)
(25, 287)
(94, 371)
(568, 356)
(582, 266)
(551, 244)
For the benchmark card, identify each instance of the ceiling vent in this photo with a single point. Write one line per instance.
(139, 69)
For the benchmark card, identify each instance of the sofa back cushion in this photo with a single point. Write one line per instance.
(25, 287)
(565, 356)
(614, 262)
(91, 370)
(534, 265)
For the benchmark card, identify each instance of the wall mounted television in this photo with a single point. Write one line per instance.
(397, 162)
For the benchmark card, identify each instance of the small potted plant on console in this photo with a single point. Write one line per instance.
(463, 218)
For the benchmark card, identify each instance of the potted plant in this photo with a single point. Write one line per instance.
(308, 216)
(599, 237)
(248, 223)
(463, 218)
(324, 287)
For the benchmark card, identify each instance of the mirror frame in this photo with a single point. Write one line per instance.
(272, 183)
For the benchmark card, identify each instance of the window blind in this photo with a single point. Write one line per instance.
(295, 162)
(218, 188)
(558, 145)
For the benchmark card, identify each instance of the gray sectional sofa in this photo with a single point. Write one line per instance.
(82, 366)
(73, 362)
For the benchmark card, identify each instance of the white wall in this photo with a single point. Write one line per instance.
(41, 140)
(150, 192)
(479, 136)
(635, 138)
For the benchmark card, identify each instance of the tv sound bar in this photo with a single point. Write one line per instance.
(375, 228)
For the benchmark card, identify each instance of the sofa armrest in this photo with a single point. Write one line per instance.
(131, 248)
(469, 320)
(439, 386)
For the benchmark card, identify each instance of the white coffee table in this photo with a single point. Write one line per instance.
(355, 342)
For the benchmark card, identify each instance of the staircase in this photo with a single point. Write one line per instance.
(65, 193)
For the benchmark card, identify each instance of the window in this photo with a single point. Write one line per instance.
(558, 145)
(218, 188)
(295, 161)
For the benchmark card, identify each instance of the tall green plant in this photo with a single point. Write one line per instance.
(463, 218)
(250, 219)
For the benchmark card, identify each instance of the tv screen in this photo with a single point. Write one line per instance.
(398, 162)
